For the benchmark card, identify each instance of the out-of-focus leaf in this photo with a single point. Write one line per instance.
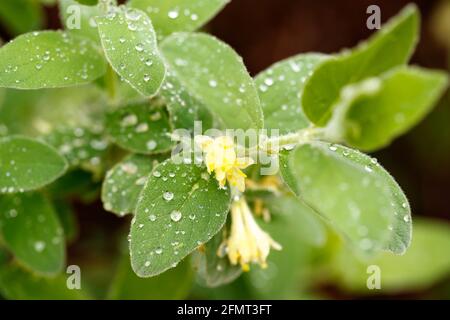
(426, 262)
(79, 18)
(28, 164)
(354, 193)
(214, 270)
(82, 147)
(298, 230)
(213, 73)
(129, 42)
(39, 112)
(403, 97)
(31, 230)
(173, 284)
(20, 16)
(141, 128)
(389, 47)
(49, 59)
(18, 284)
(66, 216)
(180, 208)
(179, 15)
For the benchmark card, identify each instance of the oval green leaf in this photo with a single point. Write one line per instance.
(426, 262)
(280, 90)
(180, 208)
(124, 182)
(79, 18)
(354, 193)
(170, 16)
(129, 42)
(141, 128)
(49, 59)
(389, 47)
(82, 147)
(18, 284)
(405, 96)
(213, 73)
(31, 230)
(174, 284)
(27, 164)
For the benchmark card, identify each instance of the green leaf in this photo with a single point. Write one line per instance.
(404, 97)
(307, 226)
(79, 18)
(124, 182)
(214, 270)
(49, 59)
(17, 284)
(67, 217)
(280, 90)
(129, 42)
(170, 16)
(299, 231)
(31, 230)
(354, 193)
(20, 16)
(180, 208)
(213, 73)
(389, 47)
(184, 109)
(174, 284)
(34, 112)
(426, 262)
(27, 164)
(141, 128)
(82, 147)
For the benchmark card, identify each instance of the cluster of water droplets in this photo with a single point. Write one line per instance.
(177, 204)
(144, 129)
(275, 83)
(71, 60)
(136, 43)
(81, 146)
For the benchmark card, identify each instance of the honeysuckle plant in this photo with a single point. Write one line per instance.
(117, 96)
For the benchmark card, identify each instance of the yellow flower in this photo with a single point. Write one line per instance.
(247, 243)
(220, 158)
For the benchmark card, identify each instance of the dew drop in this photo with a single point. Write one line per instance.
(129, 120)
(212, 83)
(168, 196)
(176, 216)
(173, 14)
(139, 47)
(156, 174)
(39, 246)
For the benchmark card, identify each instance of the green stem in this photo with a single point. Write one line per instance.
(111, 84)
(274, 145)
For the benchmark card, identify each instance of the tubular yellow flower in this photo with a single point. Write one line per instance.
(247, 243)
(220, 158)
